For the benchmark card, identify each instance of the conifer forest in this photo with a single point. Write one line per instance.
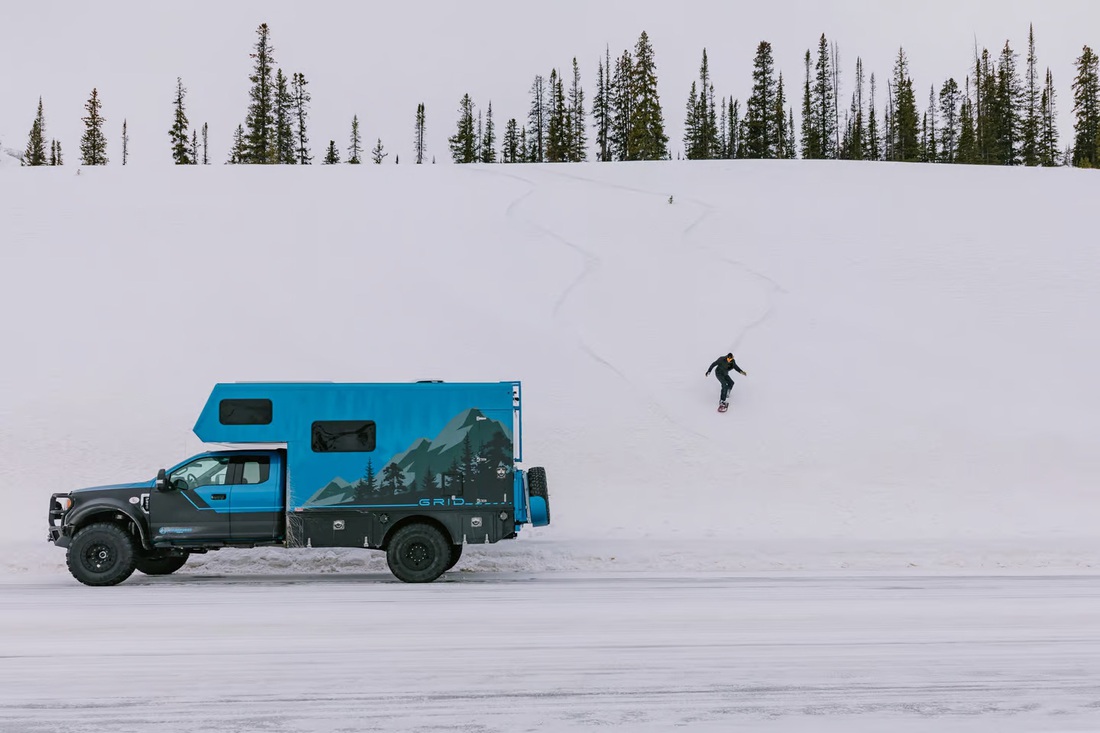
(1002, 110)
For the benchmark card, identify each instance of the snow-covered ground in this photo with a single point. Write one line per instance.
(920, 402)
(917, 340)
(491, 653)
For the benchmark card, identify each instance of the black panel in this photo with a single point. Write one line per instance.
(244, 412)
(343, 436)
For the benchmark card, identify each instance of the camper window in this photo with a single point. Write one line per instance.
(343, 436)
(244, 412)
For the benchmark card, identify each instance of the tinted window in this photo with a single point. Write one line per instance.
(255, 469)
(244, 412)
(343, 436)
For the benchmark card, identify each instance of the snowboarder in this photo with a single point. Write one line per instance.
(721, 368)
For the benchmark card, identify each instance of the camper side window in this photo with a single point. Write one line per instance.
(244, 412)
(343, 436)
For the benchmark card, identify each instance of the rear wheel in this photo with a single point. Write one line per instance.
(159, 564)
(418, 553)
(101, 554)
(456, 553)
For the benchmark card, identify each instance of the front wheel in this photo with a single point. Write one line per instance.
(101, 554)
(418, 553)
(159, 565)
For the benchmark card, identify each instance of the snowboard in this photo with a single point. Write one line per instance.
(723, 406)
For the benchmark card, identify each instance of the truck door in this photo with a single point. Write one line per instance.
(256, 497)
(195, 506)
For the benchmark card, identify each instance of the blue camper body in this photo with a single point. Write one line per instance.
(415, 469)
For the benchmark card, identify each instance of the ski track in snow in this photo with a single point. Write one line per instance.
(685, 237)
(592, 264)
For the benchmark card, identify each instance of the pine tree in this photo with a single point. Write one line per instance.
(194, 150)
(510, 150)
(622, 102)
(125, 143)
(489, 137)
(601, 109)
(93, 144)
(377, 153)
(205, 145)
(35, 154)
(968, 134)
(332, 155)
(1030, 151)
(760, 128)
(578, 137)
(811, 130)
(874, 143)
(418, 139)
(1048, 141)
(1086, 108)
(537, 116)
(1005, 105)
(178, 133)
(783, 136)
(260, 122)
(300, 103)
(790, 151)
(904, 138)
(856, 133)
(823, 100)
(949, 111)
(692, 145)
(464, 142)
(733, 143)
(238, 153)
(557, 124)
(284, 143)
(701, 137)
(355, 146)
(931, 144)
(55, 153)
(646, 139)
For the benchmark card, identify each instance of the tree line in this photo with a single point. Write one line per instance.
(992, 114)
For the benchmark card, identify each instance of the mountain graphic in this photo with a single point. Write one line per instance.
(473, 450)
(338, 491)
(448, 448)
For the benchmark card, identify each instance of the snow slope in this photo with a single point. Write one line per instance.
(918, 340)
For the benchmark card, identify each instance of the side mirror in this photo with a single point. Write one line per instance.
(162, 480)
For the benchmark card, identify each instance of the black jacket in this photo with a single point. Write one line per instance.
(722, 367)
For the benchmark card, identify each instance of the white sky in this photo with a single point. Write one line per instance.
(379, 59)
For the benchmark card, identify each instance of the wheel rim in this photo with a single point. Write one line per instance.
(98, 557)
(418, 555)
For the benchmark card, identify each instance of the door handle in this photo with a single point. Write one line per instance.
(217, 497)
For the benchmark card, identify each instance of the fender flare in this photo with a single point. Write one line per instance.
(111, 506)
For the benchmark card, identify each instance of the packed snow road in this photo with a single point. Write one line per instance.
(531, 652)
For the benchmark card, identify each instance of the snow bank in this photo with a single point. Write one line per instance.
(916, 339)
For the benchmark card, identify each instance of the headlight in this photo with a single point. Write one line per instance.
(64, 503)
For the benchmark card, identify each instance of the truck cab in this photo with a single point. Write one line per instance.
(415, 470)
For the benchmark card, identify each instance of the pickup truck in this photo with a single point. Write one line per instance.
(417, 470)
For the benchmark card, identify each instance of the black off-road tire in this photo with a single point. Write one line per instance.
(456, 553)
(418, 553)
(159, 564)
(536, 485)
(101, 554)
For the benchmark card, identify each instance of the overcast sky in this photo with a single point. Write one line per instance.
(380, 59)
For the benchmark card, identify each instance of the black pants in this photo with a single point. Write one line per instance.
(727, 385)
